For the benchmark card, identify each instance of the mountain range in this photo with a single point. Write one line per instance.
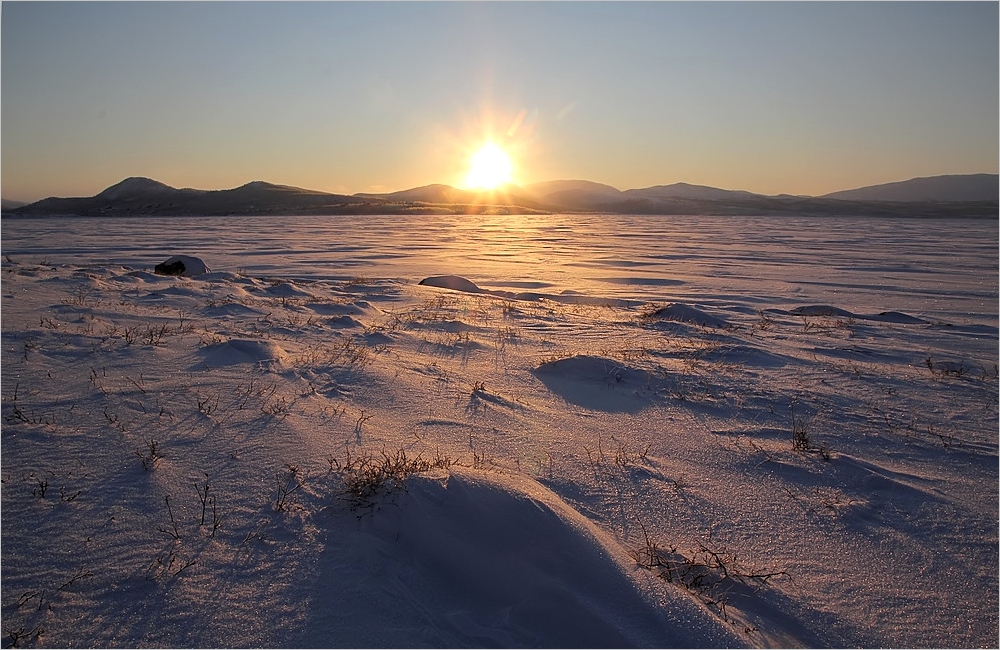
(955, 195)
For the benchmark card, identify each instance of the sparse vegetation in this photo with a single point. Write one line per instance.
(366, 477)
(43, 486)
(173, 530)
(149, 453)
(703, 570)
(362, 418)
(171, 565)
(802, 441)
(208, 404)
(765, 321)
(79, 575)
(16, 634)
(286, 484)
(625, 458)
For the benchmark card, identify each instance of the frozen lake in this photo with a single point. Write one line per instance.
(771, 459)
(935, 268)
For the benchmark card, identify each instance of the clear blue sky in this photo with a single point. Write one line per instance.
(805, 98)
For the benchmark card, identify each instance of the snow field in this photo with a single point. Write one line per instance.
(585, 471)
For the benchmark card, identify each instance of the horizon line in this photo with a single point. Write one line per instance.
(496, 189)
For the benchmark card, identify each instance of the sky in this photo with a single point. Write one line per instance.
(785, 97)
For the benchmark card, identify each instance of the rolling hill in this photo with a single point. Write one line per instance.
(10, 204)
(954, 188)
(144, 196)
(973, 195)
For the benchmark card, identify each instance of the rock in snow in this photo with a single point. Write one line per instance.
(185, 265)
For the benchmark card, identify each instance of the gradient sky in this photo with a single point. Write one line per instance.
(804, 98)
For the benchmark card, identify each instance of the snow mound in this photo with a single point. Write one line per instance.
(377, 338)
(596, 383)
(183, 265)
(237, 351)
(344, 322)
(745, 355)
(687, 314)
(471, 559)
(589, 368)
(453, 282)
(897, 317)
(286, 290)
(143, 276)
(821, 310)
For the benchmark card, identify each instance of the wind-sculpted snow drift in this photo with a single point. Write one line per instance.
(686, 314)
(236, 351)
(504, 561)
(598, 383)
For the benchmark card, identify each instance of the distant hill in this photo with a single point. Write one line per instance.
(547, 188)
(955, 188)
(10, 204)
(689, 199)
(687, 191)
(436, 193)
(144, 196)
(573, 194)
(131, 188)
(972, 195)
(446, 195)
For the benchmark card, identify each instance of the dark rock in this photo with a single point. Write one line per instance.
(173, 268)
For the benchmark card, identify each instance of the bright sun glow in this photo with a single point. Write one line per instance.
(489, 168)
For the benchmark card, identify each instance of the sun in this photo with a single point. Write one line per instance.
(489, 167)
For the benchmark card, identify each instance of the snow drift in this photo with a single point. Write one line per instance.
(467, 558)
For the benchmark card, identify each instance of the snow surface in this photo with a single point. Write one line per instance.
(803, 420)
